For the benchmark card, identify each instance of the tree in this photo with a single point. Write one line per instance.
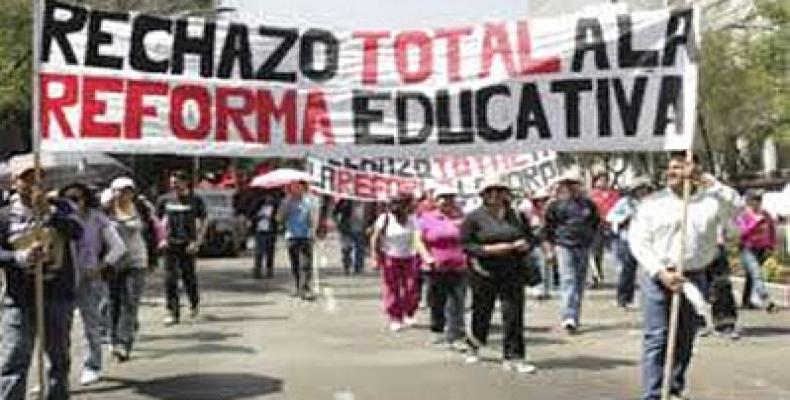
(16, 22)
(744, 85)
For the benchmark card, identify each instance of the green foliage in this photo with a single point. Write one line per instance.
(745, 80)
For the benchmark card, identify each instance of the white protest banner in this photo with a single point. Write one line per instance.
(445, 167)
(376, 179)
(358, 184)
(135, 83)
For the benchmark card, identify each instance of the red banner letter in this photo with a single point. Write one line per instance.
(423, 43)
(135, 109)
(268, 109)
(225, 112)
(93, 107)
(370, 60)
(54, 105)
(180, 95)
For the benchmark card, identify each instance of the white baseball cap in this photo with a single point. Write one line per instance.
(122, 183)
(445, 190)
(106, 197)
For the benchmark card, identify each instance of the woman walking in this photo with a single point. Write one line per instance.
(758, 238)
(499, 242)
(440, 234)
(396, 243)
(98, 235)
(134, 221)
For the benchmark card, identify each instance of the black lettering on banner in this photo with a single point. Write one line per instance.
(307, 54)
(530, 175)
(597, 45)
(98, 37)
(669, 96)
(328, 178)
(604, 111)
(422, 167)
(138, 56)
(484, 128)
(202, 46)
(371, 165)
(548, 172)
(402, 100)
(267, 70)
(571, 89)
(627, 57)
(364, 116)
(59, 29)
(443, 118)
(236, 50)
(630, 109)
(685, 38)
(531, 114)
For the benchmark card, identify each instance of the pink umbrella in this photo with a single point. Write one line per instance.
(280, 177)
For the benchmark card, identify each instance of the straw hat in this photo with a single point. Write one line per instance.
(122, 183)
(445, 191)
(572, 175)
(494, 182)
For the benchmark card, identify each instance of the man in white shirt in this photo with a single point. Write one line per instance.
(655, 237)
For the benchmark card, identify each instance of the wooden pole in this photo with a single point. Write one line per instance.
(669, 360)
(40, 343)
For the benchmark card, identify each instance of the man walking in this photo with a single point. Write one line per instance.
(571, 223)
(353, 219)
(604, 197)
(263, 216)
(184, 215)
(655, 237)
(299, 213)
(21, 250)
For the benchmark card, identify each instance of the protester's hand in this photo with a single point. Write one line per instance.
(32, 256)
(671, 279)
(162, 246)
(521, 245)
(39, 200)
(192, 248)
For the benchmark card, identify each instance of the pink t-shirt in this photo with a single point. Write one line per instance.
(442, 236)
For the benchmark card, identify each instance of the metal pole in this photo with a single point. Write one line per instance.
(36, 141)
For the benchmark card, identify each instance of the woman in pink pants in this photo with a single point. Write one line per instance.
(394, 239)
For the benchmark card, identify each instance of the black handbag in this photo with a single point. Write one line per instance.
(528, 271)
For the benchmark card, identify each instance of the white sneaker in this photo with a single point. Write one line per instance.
(170, 320)
(569, 325)
(89, 376)
(410, 321)
(519, 366)
(396, 326)
(472, 357)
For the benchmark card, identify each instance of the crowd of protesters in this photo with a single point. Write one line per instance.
(427, 247)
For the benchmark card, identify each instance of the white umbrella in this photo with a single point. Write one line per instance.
(280, 177)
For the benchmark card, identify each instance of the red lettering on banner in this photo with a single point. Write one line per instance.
(453, 36)
(226, 113)
(178, 98)
(316, 118)
(380, 186)
(93, 107)
(461, 166)
(529, 65)
(402, 43)
(344, 181)
(496, 42)
(285, 113)
(54, 105)
(362, 186)
(135, 109)
(370, 49)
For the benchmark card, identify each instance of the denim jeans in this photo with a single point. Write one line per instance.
(354, 249)
(573, 263)
(300, 253)
(538, 259)
(751, 260)
(657, 303)
(92, 302)
(446, 295)
(126, 291)
(17, 338)
(264, 252)
(627, 264)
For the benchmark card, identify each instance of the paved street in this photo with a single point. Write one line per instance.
(254, 341)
